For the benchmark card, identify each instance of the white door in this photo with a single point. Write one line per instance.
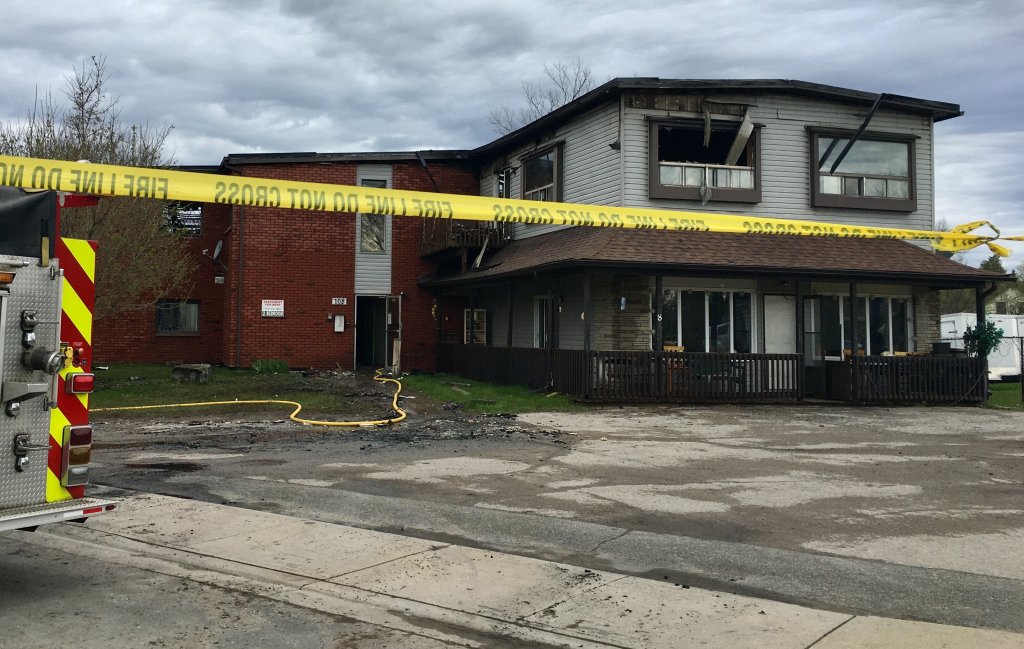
(779, 324)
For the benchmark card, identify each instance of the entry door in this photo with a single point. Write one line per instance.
(779, 324)
(393, 329)
(814, 349)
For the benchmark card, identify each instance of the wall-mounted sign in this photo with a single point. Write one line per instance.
(272, 309)
(339, 301)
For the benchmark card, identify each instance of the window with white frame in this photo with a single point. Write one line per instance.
(708, 321)
(883, 325)
(475, 326)
(541, 321)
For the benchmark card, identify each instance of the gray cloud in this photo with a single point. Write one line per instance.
(322, 76)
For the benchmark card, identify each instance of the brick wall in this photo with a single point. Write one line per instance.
(307, 258)
(926, 318)
(303, 258)
(132, 337)
(419, 328)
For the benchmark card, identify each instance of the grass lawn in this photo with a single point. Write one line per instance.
(139, 385)
(1005, 395)
(328, 395)
(477, 396)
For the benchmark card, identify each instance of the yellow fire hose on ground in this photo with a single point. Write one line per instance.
(294, 415)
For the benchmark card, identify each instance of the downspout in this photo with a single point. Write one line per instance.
(241, 286)
(979, 302)
(979, 305)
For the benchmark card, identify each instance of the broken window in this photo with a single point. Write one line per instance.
(542, 176)
(705, 160)
(373, 228)
(875, 172)
(504, 183)
(184, 218)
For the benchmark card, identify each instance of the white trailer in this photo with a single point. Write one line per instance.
(1004, 360)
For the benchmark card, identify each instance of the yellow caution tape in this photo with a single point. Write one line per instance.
(163, 184)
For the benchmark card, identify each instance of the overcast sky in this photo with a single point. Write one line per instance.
(326, 76)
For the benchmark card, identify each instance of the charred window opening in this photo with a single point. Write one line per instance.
(542, 176)
(714, 161)
(184, 218)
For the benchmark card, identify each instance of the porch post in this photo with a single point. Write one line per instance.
(659, 309)
(853, 319)
(979, 305)
(439, 360)
(550, 316)
(508, 331)
(556, 316)
(659, 334)
(799, 287)
(472, 315)
(588, 307)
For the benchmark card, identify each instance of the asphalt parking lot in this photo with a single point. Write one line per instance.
(901, 512)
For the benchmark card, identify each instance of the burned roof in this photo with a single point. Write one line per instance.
(366, 156)
(937, 110)
(671, 252)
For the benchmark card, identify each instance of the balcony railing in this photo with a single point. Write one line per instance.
(440, 235)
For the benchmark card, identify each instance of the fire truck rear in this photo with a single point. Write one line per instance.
(46, 306)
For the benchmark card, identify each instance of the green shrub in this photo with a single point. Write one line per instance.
(269, 366)
(980, 340)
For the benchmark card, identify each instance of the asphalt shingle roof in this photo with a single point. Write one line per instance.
(679, 252)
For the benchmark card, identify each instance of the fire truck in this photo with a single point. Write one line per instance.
(46, 307)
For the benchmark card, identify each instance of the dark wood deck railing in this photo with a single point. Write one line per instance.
(444, 234)
(633, 376)
(619, 376)
(917, 379)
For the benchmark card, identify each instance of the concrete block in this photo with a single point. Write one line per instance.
(193, 373)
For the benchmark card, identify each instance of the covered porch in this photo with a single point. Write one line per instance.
(629, 315)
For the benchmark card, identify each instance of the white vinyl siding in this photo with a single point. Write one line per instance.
(590, 168)
(785, 165)
(373, 269)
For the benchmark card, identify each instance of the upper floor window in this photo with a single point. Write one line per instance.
(693, 159)
(184, 218)
(373, 227)
(542, 176)
(877, 172)
(504, 183)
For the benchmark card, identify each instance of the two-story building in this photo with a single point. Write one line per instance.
(778, 148)
(623, 313)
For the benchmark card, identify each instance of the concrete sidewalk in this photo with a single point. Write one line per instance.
(448, 595)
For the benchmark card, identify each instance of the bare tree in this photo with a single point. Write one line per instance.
(140, 258)
(565, 82)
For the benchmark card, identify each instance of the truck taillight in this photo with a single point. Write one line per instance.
(6, 278)
(77, 455)
(80, 383)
